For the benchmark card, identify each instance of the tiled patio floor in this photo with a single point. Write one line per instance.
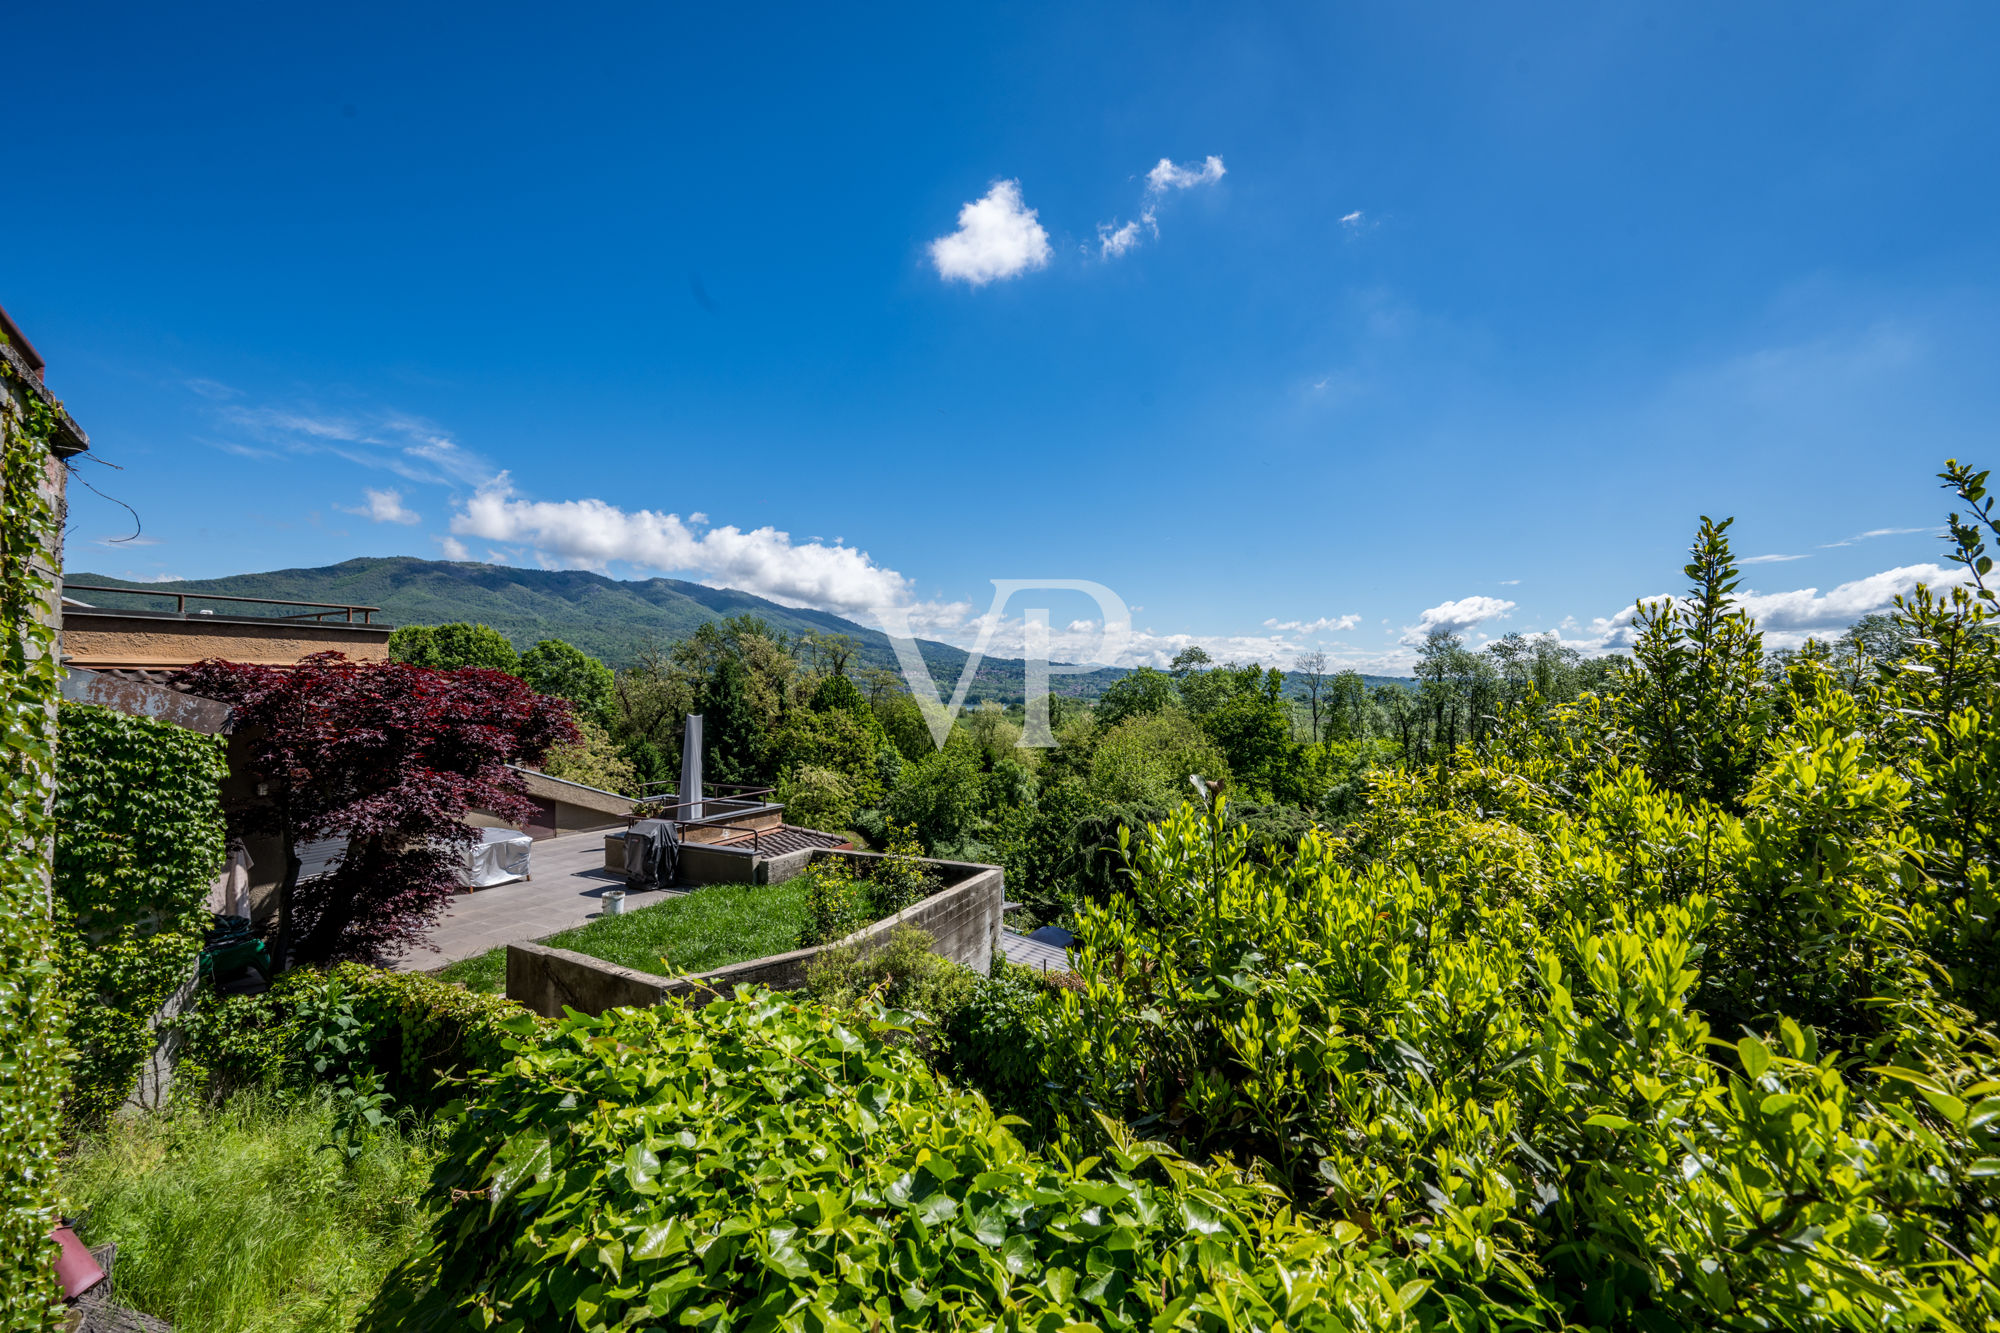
(567, 890)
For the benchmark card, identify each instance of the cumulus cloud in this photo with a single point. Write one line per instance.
(1112, 244)
(1321, 625)
(1806, 611)
(592, 534)
(1114, 239)
(1457, 617)
(1166, 176)
(997, 237)
(1787, 619)
(384, 506)
(453, 548)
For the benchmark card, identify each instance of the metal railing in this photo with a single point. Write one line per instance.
(743, 797)
(181, 600)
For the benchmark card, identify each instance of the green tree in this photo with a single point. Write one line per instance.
(1251, 723)
(1697, 707)
(1146, 761)
(1142, 692)
(732, 732)
(448, 647)
(939, 795)
(595, 760)
(555, 667)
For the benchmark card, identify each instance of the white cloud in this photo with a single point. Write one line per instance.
(1873, 533)
(453, 548)
(1457, 617)
(384, 506)
(1770, 559)
(1510, 583)
(412, 448)
(1114, 240)
(1112, 244)
(1314, 626)
(592, 534)
(1787, 619)
(1166, 176)
(1352, 219)
(997, 237)
(1793, 615)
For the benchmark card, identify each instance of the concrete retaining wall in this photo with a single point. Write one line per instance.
(963, 918)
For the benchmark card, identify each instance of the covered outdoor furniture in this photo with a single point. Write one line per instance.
(652, 855)
(499, 857)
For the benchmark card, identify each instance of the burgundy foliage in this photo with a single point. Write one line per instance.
(389, 756)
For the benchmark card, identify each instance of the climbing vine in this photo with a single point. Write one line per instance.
(30, 1007)
(139, 839)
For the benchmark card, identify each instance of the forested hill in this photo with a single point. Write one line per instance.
(612, 619)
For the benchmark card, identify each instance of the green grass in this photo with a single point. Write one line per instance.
(232, 1220)
(709, 928)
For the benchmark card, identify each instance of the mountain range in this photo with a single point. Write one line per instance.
(612, 619)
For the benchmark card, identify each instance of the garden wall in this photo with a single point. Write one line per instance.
(963, 918)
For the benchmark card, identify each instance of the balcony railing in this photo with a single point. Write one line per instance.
(320, 613)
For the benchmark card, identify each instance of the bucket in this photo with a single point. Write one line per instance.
(614, 902)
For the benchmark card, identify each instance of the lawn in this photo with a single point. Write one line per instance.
(709, 928)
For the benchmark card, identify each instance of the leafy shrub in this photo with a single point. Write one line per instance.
(818, 798)
(900, 879)
(839, 901)
(994, 1038)
(1513, 1083)
(407, 1033)
(761, 1163)
(836, 902)
(139, 840)
(901, 973)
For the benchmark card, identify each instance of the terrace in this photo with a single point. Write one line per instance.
(133, 630)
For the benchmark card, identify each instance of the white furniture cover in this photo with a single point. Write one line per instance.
(500, 857)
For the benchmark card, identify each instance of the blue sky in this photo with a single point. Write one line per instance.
(1436, 315)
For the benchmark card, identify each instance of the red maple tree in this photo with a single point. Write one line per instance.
(391, 757)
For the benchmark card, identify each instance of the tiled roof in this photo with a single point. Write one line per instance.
(792, 838)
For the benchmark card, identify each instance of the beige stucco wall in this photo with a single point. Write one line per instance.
(109, 640)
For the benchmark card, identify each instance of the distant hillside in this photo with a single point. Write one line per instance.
(612, 619)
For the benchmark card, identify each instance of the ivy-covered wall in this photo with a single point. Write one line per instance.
(30, 1009)
(139, 839)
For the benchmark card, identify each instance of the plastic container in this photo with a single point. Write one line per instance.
(614, 902)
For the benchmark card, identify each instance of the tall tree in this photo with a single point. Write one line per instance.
(390, 757)
(448, 647)
(1311, 668)
(566, 671)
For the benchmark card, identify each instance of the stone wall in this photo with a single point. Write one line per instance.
(963, 918)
